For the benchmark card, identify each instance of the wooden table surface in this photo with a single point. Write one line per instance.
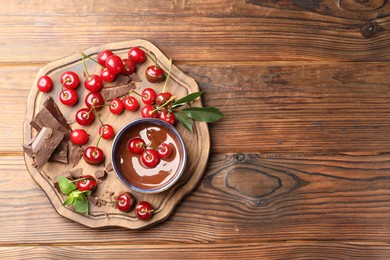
(300, 165)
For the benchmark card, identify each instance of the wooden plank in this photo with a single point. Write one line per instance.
(277, 250)
(322, 108)
(245, 198)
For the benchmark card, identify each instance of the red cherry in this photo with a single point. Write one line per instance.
(164, 150)
(167, 116)
(87, 183)
(94, 99)
(69, 97)
(106, 75)
(148, 96)
(128, 67)
(69, 79)
(136, 145)
(131, 103)
(93, 155)
(114, 64)
(116, 106)
(93, 83)
(149, 111)
(150, 158)
(106, 131)
(79, 136)
(84, 116)
(137, 55)
(143, 210)
(45, 84)
(102, 57)
(162, 98)
(154, 74)
(125, 202)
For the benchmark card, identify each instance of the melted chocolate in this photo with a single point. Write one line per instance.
(130, 165)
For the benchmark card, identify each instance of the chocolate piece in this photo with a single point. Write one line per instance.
(50, 116)
(101, 174)
(110, 93)
(27, 148)
(134, 77)
(108, 167)
(76, 173)
(119, 81)
(75, 154)
(44, 145)
(60, 154)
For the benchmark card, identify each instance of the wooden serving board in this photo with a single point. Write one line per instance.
(197, 143)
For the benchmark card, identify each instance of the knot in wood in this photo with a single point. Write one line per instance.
(239, 157)
(370, 29)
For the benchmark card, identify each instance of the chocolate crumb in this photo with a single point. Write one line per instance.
(108, 167)
(101, 174)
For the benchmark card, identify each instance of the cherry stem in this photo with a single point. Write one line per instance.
(62, 84)
(169, 74)
(135, 92)
(97, 115)
(97, 144)
(163, 105)
(89, 57)
(85, 64)
(155, 59)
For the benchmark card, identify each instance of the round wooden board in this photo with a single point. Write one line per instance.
(197, 143)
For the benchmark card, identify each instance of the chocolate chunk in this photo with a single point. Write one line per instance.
(60, 154)
(76, 173)
(134, 77)
(120, 80)
(75, 153)
(50, 116)
(101, 174)
(108, 167)
(44, 145)
(110, 93)
(27, 148)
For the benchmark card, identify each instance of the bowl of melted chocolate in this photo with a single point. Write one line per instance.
(148, 135)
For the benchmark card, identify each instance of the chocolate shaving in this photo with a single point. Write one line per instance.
(44, 145)
(50, 116)
(60, 154)
(134, 77)
(75, 153)
(110, 93)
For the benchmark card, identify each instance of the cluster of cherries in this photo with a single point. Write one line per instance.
(149, 157)
(124, 201)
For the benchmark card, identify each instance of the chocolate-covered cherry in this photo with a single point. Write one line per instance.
(163, 98)
(87, 183)
(106, 131)
(164, 150)
(84, 116)
(45, 84)
(68, 97)
(154, 74)
(130, 103)
(103, 55)
(167, 116)
(114, 64)
(137, 55)
(69, 79)
(94, 99)
(148, 96)
(128, 67)
(79, 136)
(125, 202)
(136, 145)
(143, 210)
(93, 155)
(149, 111)
(150, 158)
(93, 83)
(116, 106)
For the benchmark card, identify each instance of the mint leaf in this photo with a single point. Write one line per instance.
(69, 200)
(81, 204)
(187, 122)
(66, 186)
(204, 114)
(187, 99)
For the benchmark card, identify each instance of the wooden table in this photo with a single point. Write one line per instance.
(300, 165)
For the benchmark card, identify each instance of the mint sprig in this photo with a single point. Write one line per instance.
(78, 199)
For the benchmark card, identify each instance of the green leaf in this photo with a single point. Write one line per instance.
(204, 114)
(187, 122)
(69, 200)
(81, 204)
(187, 99)
(66, 186)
